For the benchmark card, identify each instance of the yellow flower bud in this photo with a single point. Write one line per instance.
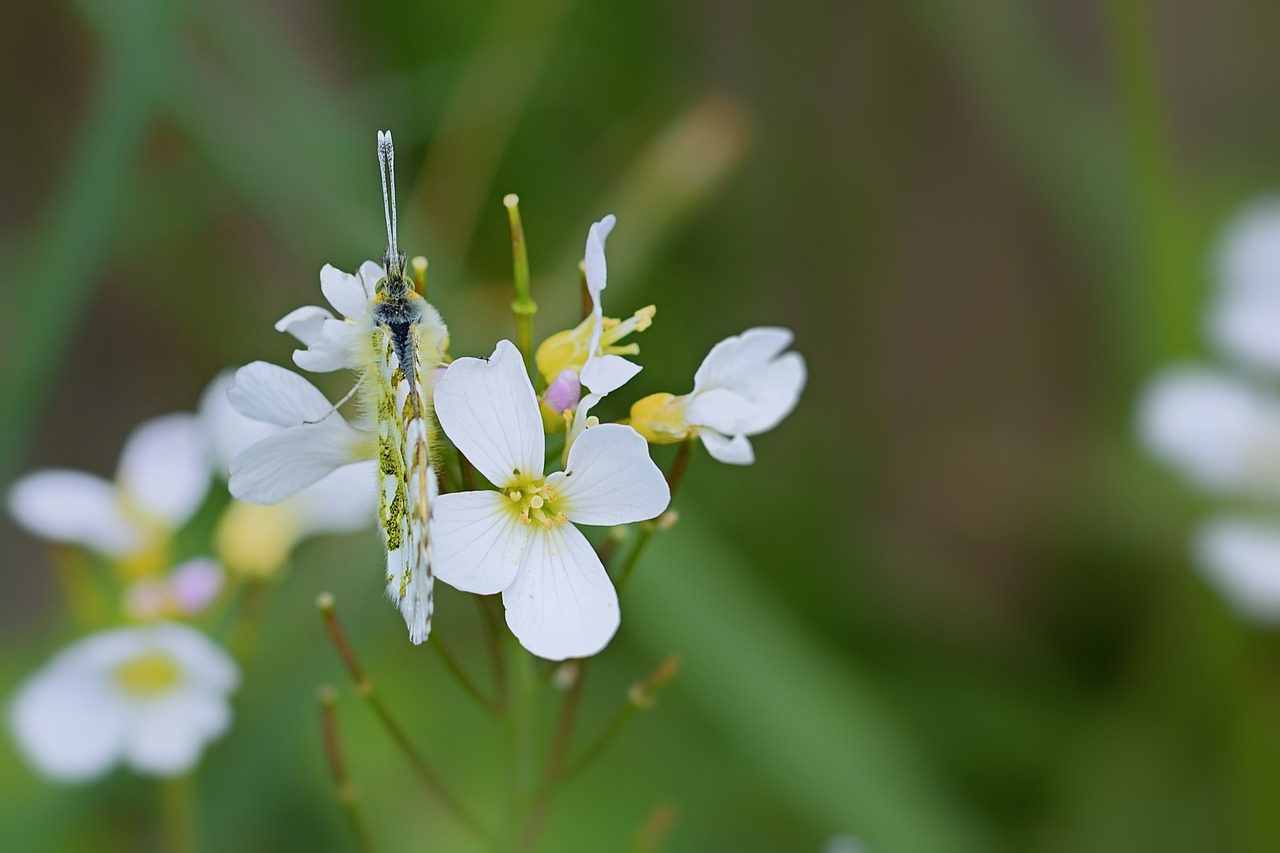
(660, 419)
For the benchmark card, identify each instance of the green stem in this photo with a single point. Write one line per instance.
(519, 744)
(639, 698)
(675, 476)
(366, 688)
(523, 307)
(559, 750)
(345, 790)
(465, 681)
(178, 806)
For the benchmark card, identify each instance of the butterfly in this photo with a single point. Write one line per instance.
(406, 337)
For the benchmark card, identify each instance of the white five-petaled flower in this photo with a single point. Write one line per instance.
(1221, 429)
(162, 478)
(149, 697)
(520, 540)
(255, 539)
(745, 386)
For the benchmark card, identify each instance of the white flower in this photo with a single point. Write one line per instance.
(151, 697)
(745, 386)
(309, 441)
(1241, 557)
(1219, 432)
(332, 343)
(1245, 313)
(521, 540)
(162, 478)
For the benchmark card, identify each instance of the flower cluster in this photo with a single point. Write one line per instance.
(486, 416)
(1219, 425)
(148, 686)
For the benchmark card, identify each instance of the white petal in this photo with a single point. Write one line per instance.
(305, 323)
(204, 663)
(167, 736)
(610, 478)
(269, 393)
(166, 469)
(593, 260)
(73, 507)
(1243, 326)
(1242, 559)
(774, 392)
(605, 374)
(66, 723)
(1217, 431)
(343, 502)
(735, 360)
(1248, 254)
(479, 542)
(226, 430)
(721, 409)
(292, 459)
(344, 291)
(370, 274)
(731, 451)
(489, 410)
(562, 603)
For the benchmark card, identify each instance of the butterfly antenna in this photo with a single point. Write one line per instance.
(387, 171)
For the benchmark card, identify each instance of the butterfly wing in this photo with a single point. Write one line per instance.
(408, 485)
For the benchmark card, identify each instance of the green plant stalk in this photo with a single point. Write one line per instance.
(367, 689)
(344, 789)
(523, 306)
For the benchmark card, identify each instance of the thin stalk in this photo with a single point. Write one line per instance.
(675, 476)
(559, 751)
(465, 681)
(523, 306)
(519, 745)
(493, 636)
(366, 688)
(639, 698)
(178, 809)
(344, 789)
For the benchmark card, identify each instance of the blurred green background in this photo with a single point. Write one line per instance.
(949, 608)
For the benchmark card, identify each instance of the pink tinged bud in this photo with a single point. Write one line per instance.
(195, 584)
(564, 392)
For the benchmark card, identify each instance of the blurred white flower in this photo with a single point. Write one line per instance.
(521, 540)
(745, 386)
(163, 476)
(1245, 312)
(1241, 557)
(256, 539)
(1218, 431)
(149, 697)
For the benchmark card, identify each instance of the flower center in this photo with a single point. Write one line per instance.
(149, 675)
(535, 502)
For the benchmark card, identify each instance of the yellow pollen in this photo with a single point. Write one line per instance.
(534, 501)
(149, 675)
(515, 495)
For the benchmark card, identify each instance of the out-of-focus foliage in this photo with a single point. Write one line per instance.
(949, 608)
